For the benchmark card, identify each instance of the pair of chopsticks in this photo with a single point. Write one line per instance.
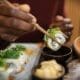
(35, 24)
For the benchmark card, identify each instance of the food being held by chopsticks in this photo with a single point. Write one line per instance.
(58, 36)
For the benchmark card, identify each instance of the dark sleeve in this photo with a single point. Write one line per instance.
(61, 10)
(3, 44)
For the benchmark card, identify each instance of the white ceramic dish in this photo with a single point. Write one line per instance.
(32, 60)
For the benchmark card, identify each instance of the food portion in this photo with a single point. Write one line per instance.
(17, 60)
(12, 53)
(3, 65)
(49, 70)
(57, 35)
(14, 58)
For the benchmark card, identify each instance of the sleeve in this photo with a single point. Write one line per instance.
(3, 44)
(61, 10)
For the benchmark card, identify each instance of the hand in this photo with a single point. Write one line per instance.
(64, 24)
(15, 22)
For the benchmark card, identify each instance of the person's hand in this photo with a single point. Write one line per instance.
(15, 22)
(64, 24)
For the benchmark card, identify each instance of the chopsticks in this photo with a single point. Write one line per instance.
(34, 24)
(45, 32)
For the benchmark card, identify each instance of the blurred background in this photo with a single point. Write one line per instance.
(72, 9)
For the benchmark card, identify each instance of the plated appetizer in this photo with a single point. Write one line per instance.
(17, 60)
(14, 56)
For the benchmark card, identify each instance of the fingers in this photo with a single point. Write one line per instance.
(68, 25)
(7, 11)
(68, 33)
(12, 28)
(8, 37)
(10, 22)
(23, 7)
(34, 20)
(65, 25)
(15, 22)
(10, 34)
(11, 31)
(67, 20)
(59, 18)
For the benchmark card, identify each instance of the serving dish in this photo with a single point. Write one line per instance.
(48, 70)
(32, 58)
(62, 55)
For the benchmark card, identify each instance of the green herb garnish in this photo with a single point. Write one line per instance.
(2, 62)
(20, 48)
(52, 32)
(12, 53)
